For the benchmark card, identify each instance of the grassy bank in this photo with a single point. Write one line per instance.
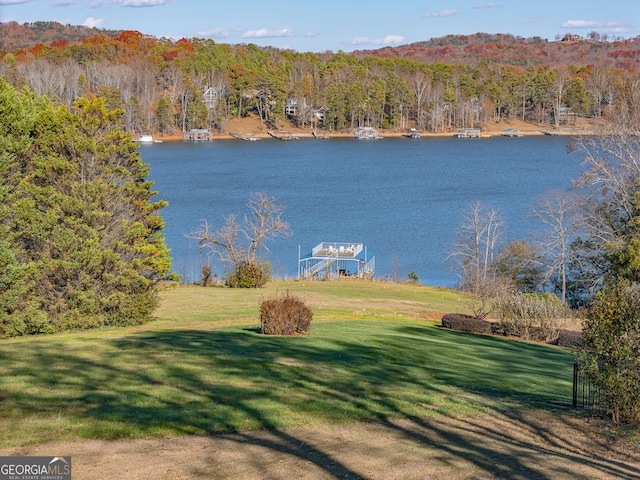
(374, 351)
(342, 300)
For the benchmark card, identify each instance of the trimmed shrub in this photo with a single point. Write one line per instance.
(569, 339)
(284, 315)
(505, 329)
(465, 323)
(249, 275)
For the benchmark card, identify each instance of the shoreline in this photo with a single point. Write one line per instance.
(389, 134)
(251, 128)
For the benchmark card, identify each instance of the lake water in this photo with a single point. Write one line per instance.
(402, 198)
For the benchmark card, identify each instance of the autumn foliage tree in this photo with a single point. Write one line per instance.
(519, 264)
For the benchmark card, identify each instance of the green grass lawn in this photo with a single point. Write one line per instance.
(202, 367)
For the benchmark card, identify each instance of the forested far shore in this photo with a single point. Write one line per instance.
(169, 87)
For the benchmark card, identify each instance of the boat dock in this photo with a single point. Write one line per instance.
(367, 133)
(467, 133)
(282, 135)
(413, 133)
(512, 132)
(198, 135)
(241, 136)
(334, 260)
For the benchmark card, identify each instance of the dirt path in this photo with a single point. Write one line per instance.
(533, 445)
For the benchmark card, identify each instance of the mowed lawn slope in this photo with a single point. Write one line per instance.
(374, 351)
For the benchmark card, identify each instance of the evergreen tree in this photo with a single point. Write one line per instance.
(20, 309)
(81, 232)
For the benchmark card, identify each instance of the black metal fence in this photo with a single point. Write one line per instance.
(585, 394)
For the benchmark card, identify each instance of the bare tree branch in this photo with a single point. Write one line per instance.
(556, 210)
(239, 243)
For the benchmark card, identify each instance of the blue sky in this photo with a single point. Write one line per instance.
(321, 25)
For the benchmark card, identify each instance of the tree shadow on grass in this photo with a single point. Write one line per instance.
(515, 452)
(527, 434)
(234, 380)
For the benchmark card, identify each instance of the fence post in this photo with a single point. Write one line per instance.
(576, 373)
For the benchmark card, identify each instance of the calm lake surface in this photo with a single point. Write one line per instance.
(402, 198)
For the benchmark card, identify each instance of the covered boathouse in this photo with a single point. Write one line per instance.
(333, 260)
(198, 135)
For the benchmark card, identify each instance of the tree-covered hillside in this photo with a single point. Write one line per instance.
(16, 36)
(166, 86)
(518, 51)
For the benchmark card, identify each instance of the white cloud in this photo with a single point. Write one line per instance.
(266, 33)
(442, 13)
(358, 41)
(130, 3)
(215, 33)
(248, 34)
(610, 27)
(393, 40)
(143, 3)
(388, 40)
(64, 3)
(488, 5)
(581, 24)
(13, 2)
(94, 22)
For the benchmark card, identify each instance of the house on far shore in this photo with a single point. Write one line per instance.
(198, 135)
(334, 260)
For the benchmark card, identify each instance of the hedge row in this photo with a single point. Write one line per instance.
(467, 323)
(569, 339)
